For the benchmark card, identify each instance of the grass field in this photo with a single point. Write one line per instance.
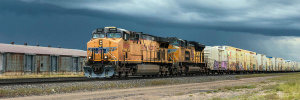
(284, 87)
(260, 75)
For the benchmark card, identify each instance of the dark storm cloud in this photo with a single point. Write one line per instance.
(19, 8)
(47, 24)
(251, 16)
(276, 18)
(35, 8)
(68, 23)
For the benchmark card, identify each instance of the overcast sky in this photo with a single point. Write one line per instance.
(263, 26)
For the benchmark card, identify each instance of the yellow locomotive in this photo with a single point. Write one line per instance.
(116, 52)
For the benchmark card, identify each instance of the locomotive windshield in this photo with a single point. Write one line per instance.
(98, 35)
(113, 35)
(175, 42)
(147, 37)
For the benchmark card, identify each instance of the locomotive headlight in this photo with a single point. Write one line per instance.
(100, 42)
(105, 57)
(90, 57)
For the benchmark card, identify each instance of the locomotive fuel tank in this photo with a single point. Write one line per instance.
(144, 69)
(193, 69)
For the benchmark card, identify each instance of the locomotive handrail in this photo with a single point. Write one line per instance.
(114, 57)
(171, 57)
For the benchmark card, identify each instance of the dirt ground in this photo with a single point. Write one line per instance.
(194, 91)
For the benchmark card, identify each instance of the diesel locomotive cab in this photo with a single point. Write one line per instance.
(103, 43)
(103, 52)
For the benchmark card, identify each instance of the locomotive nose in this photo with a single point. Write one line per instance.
(102, 49)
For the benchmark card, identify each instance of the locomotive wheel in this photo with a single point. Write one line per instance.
(120, 75)
(162, 74)
(126, 75)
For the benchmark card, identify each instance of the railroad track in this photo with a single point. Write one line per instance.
(81, 79)
(65, 79)
(43, 80)
(71, 79)
(62, 79)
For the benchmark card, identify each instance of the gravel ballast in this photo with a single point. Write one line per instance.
(53, 88)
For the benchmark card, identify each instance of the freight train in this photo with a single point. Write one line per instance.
(116, 52)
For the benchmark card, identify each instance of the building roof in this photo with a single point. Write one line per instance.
(26, 49)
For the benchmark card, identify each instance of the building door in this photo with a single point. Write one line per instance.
(54, 64)
(29, 63)
(1, 62)
(75, 64)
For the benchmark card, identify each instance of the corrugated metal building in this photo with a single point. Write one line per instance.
(24, 59)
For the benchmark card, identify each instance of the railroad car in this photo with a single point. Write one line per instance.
(117, 52)
(232, 58)
(253, 61)
(243, 61)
